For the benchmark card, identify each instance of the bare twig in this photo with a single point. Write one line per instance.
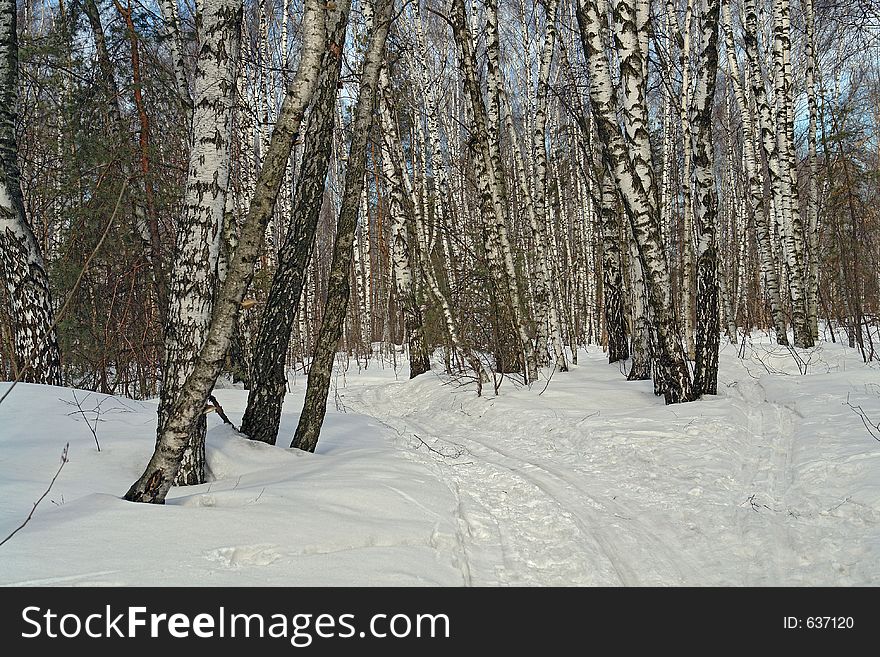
(64, 460)
(549, 378)
(871, 425)
(456, 453)
(93, 429)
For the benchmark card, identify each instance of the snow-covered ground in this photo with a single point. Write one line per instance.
(585, 480)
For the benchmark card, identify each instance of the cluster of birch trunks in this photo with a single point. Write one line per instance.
(498, 182)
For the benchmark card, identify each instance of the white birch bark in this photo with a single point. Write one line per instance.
(812, 219)
(175, 48)
(193, 276)
(29, 300)
(706, 205)
(636, 193)
(543, 215)
(160, 472)
(787, 184)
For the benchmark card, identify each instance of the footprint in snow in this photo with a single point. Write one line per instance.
(237, 556)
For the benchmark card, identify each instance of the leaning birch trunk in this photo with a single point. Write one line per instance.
(404, 244)
(35, 343)
(706, 206)
(175, 47)
(499, 250)
(763, 230)
(338, 286)
(156, 481)
(192, 281)
(268, 376)
(636, 193)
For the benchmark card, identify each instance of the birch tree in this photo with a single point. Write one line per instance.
(188, 407)
(268, 376)
(35, 343)
(338, 289)
(491, 174)
(706, 204)
(637, 193)
(547, 314)
(404, 238)
(193, 276)
(753, 172)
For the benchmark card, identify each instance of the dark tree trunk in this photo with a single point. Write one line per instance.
(706, 208)
(338, 287)
(268, 376)
(612, 279)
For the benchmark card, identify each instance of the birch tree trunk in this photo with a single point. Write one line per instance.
(193, 276)
(35, 343)
(268, 377)
(172, 33)
(545, 301)
(706, 205)
(404, 239)
(155, 482)
(612, 277)
(787, 186)
(640, 368)
(338, 288)
(812, 280)
(636, 193)
(486, 124)
(687, 292)
(763, 229)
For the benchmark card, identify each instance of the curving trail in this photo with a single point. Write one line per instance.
(594, 482)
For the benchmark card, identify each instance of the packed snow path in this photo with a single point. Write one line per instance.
(583, 480)
(593, 481)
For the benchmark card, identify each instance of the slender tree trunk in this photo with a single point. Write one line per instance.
(193, 279)
(35, 344)
(763, 229)
(268, 376)
(612, 277)
(547, 315)
(787, 197)
(812, 281)
(706, 205)
(175, 46)
(404, 241)
(495, 200)
(687, 291)
(146, 218)
(636, 193)
(640, 368)
(338, 287)
(155, 482)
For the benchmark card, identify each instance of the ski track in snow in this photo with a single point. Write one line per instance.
(515, 508)
(543, 500)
